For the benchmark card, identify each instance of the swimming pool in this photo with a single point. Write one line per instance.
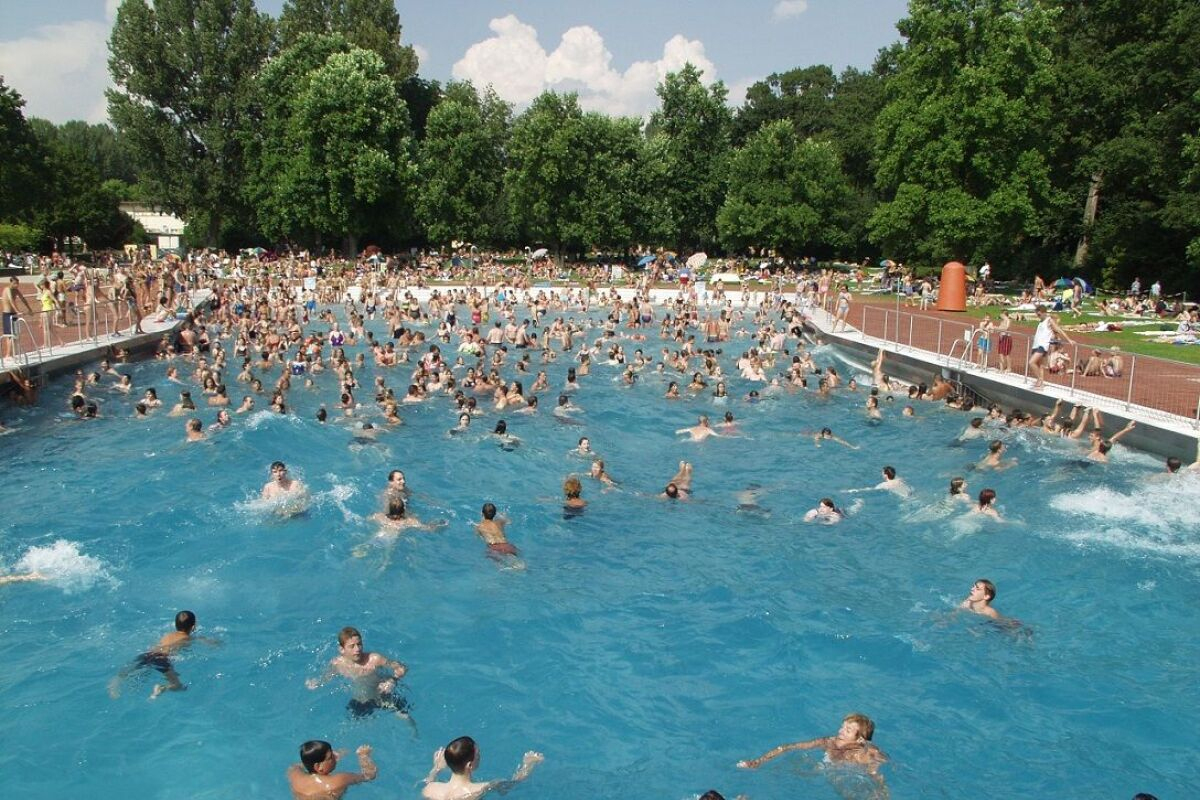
(646, 647)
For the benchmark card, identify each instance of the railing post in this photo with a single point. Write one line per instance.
(911, 321)
(1074, 368)
(939, 339)
(1129, 394)
(864, 322)
(1028, 354)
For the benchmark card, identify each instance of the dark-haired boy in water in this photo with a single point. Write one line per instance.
(313, 778)
(462, 757)
(491, 529)
(368, 690)
(159, 658)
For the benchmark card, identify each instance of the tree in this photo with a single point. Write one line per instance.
(545, 178)
(23, 167)
(785, 194)
(461, 160)
(181, 70)
(692, 134)
(369, 24)
(803, 96)
(1128, 96)
(333, 143)
(963, 140)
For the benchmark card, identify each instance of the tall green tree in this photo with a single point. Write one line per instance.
(332, 152)
(23, 169)
(804, 96)
(691, 130)
(369, 24)
(461, 164)
(1128, 96)
(82, 195)
(963, 140)
(786, 194)
(544, 182)
(181, 71)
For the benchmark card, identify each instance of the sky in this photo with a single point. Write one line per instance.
(612, 52)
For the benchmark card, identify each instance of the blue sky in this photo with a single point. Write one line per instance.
(613, 53)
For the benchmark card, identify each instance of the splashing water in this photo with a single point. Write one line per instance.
(65, 567)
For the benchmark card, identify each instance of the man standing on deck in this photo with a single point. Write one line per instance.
(8, 315)
(1043, 337)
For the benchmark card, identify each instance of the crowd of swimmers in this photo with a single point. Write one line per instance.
(257, 334)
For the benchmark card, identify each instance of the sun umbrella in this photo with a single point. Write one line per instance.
(1062, 283)
(887, 262)
(644, 260)
(1087, 287)
(697, 260)
(541, 252)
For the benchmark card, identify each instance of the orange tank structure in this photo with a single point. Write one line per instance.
(952, 292)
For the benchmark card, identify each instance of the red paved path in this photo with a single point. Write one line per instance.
(1157, 383)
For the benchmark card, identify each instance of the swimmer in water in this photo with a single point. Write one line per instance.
(994, 459)
(683, 478)
(507, 440)
(958, 490)
(825, 512)
(462, 757)
(396, 517)
(194, 430)
(598, 472)
(372, 676)
(979, 600)
(572, 491)
(22, 577)
(159, 657)
(280, 484)
(491, 529)
(850, 745)
(700, 431)
(987, 504)
(313, 778)
(584, 448)
(974, 430)
(826, 435)
(889, 483)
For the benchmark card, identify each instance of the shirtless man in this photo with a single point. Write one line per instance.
(9, 298)
(368, 690)
(893, 484)
(491, 529)
(979, 601)
(850, 745)
(159, 657)
(994, 458)
(312, 778)
(700, 431)
(195, 430)
(462, 757)
(280, 484)
(1100, 445)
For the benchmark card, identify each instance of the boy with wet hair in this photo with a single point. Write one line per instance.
(368, 690)
(979, 600)
(312, 778)
(850, 745)
(462, 757)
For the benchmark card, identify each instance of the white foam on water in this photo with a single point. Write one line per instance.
(65, 567)
(1156, 518)
(337, 495)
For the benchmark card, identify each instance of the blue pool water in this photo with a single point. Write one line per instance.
(646, 647)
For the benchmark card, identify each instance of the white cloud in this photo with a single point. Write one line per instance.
(519, 68)
(61, 70)
(422, 54)
(737, 91)
(789, 8)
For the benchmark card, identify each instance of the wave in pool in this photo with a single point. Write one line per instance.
(1155, 518)
(65, 567)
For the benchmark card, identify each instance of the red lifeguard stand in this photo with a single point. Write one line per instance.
(952, 292)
